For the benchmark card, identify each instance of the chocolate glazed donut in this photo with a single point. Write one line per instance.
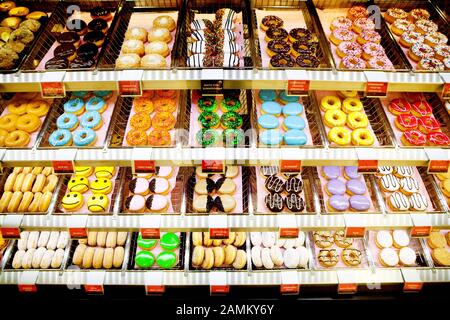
(272, 22)
(307, 61)
(277, 34)
(303, 47)
(300, 34)
(279, 46)
(282, 60)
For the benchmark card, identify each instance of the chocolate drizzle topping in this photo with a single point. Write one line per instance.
(274, 202)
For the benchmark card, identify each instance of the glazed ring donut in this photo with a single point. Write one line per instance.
(163, 121)
(323, 239)
(351, 105)
(362, 137)
(143, 104)
(340, 136)
(17, 107)
(335, 118)
(351, 257)
(28, 122)
(330, 103)
(328, 257)
(167, 93)
(137, 138)
(6, 6)
(159, 138)
(3, 134)
(209, 120)
(341, 240)
(8, 122)
(38, 108)
(165, 105)
(141, 121)
(17, 138)
(357, 120)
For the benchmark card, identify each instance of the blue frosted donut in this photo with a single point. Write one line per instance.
(102, 94)
(295, 137)
(268, 121)
(292, 109)
(96, 104)
(267, 95)
(60, 138)
(271, 107)
(80, 94)
(271, 137)
(75, 106)
(67, 121)
(294, 122)
(84, 137)
(285, 98)
(91, 119)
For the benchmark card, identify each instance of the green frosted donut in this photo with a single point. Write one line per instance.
(207, 104)
(209, 119)
(170, 241)
(166, 260)
(146, 244)
(230, 104)
(207, 137)
(232, 120)
(232, 137)
(144, 259)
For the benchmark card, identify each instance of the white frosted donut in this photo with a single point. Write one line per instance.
(401, 238)
(266, 259)
(276, 255)
(291, 258)
(389, 257)
(27, 258)
(43, 238)
(37, 257)
(304, 257)
(32, 240)
(63, 240)
(268, 239)
(407, 256)
(300, 240)
(57, 258)
(256, 256)
(384, 239)
(289, 243)
(17, 261)
(255, 238)
(53, 240)
(46, 260)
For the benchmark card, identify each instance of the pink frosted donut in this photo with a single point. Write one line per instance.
(357, 12)
(420, 51)
(380, 63)
(341, 22)
(431, 64)
(426, 26)
(371, 49)
(342, 34)
(435, 38)
(353, 63)
(442, 51)
(363, 24)
(348, 48)
(403, 25)
(369, 36)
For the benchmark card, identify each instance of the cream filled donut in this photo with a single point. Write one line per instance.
(277, 256)
(256, 256)
(266, 259)
(303, 257)
(291, 258)
(268, 239)
(255, 238)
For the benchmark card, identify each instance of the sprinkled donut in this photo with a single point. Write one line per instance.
(402, 25)
(353, 63)
(431, 64)
(442, 51)
(341, 34)
(411, 37)
(419, 14)
(393, 14)
(341, 22)
(426, 26)
(347, 48)
(363, 24)
(371, 49)
(380, 63)
(368, 36)
(435, 38)
(357, 12)
(420, 51)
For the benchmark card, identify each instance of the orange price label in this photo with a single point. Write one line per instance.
(219, 233)
(213, 166)
(293, 289)
(376, 89)
(151, 290)
(219, 289)
(150, 233)
(27, 288)
(347, 288)
(367, 166)
(446, 91)
(412, 286)
(130, 88)
(10, 233)
(289, 232)
(438, 166)
(294, 166)
(94, 289)
(144, 166)
(420, 231)
(53, 90)
(298, 87)
(63, 166)
(78, 233)
(355, 232)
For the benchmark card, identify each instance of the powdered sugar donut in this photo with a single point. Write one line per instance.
(255, 238)
(291, 258)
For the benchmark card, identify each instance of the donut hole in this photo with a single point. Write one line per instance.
(340, 135)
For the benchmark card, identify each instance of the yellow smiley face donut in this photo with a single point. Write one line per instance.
(330, 103)
(78, 184)
(105, 172)
(83, 171)
(98, 203)
(357, 120)
(351, 105)
(72, 201)
(335, 118)
(340, 136)
(362, 137)
(103, 186)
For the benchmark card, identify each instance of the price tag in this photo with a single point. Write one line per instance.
(289, 283)
(347, 288)
(78, 226)
(438, 160)
(65, 164)
(422, 225)
(287, 226)
(52, 84)
(150, 226)
(354, 226)
(446, 87)
(218, 284)
(154, 284)
(27, 281)
(213, 166)
(218, 227)
(141, 162)
(346, 282)
(298, 83)
(290, 166)
(366, 163)
(377, 84)
(413, 282)
(211, 82)
(130, 83)
(94, 282)
(10, 228)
